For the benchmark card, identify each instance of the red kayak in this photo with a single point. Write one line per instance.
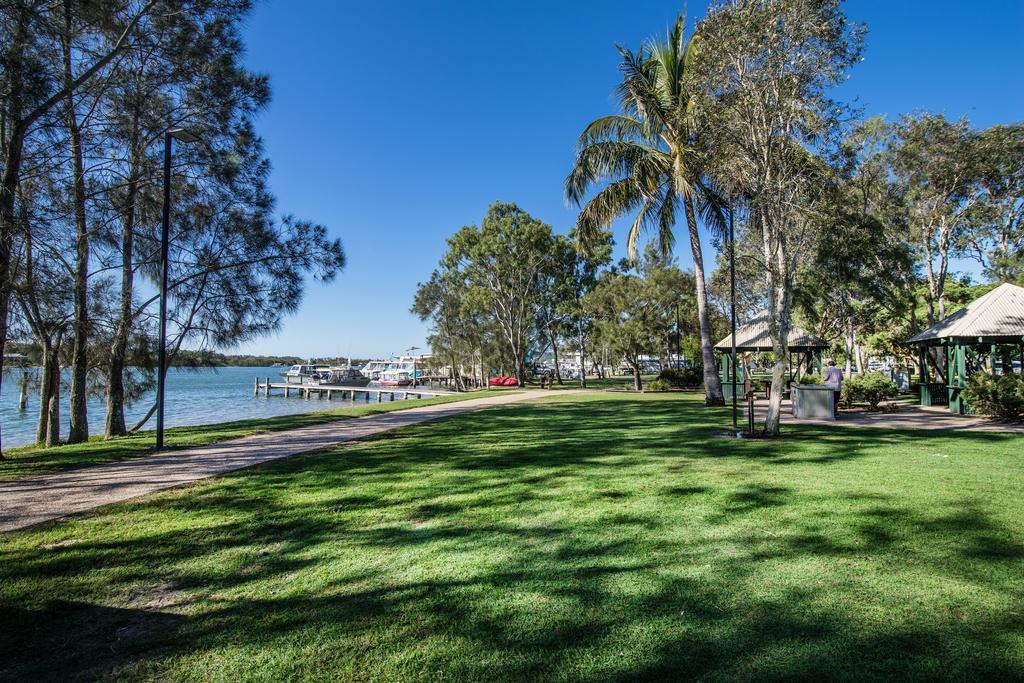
(504, 382)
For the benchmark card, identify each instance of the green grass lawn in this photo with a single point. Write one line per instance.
(587, 537)
(33, 460)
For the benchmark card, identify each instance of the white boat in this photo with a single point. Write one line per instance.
(374, 368)
(347, 376)
(396, 377)
(305, 374)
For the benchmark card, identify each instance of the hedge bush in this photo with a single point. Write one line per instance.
(871, 388)
(810, 378)
(658, 385)
(682, 377)
(1001, 396)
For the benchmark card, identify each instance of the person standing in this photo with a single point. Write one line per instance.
(833, 377)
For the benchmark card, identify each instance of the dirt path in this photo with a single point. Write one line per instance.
(32, 500)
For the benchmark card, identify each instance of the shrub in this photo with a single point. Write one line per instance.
(871, 388)
(810, 378)
(658, 385)
(682, 377)
(1001, 396)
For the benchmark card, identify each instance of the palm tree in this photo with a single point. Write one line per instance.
(649, 155)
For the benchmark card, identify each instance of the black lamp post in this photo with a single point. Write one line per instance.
(732, 313)
(184, 136)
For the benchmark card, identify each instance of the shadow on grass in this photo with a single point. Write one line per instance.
(602, 539)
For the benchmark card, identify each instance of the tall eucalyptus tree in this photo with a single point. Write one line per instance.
(765, 70)
(650, 154)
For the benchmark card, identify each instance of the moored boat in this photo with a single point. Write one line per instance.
(305, 374)
(374, 368)
(347, 376)
(396, 377)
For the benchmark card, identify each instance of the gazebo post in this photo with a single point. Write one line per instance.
(728, 369)
(947, 347)
(992, 358)
(956, 368)
(924, 393)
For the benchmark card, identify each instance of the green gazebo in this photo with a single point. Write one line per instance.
(977, 338)
(755, 337)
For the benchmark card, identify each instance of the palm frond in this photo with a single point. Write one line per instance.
(612, 128)
(640, 225)
(638, 92)
(666, 222)
(617, 199)
(713, 208)
(601, 161)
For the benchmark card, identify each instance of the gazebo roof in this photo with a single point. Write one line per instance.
(998, 314)
(755, 336)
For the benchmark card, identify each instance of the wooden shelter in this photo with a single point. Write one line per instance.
(755, 337)
(982, 336)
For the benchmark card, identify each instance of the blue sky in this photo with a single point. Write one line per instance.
(395, 123)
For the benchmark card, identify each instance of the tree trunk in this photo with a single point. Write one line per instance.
(115, 425)
(79, 424)
(583, 361)
(713, 395)
(456, 372)
(637, 382)
(15, 132)
(780, 291)
(45, 387)
(53, 407)
(554, 349)
(780, 370)
(519, 366)
(848, 345)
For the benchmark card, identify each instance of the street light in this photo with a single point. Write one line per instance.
(732, 313)
(188, 137)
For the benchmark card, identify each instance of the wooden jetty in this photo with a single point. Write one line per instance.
(328, 391)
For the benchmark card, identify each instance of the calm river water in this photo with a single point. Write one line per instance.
(193, 397)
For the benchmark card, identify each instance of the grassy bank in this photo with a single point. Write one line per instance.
(586, 537)
(33, 460)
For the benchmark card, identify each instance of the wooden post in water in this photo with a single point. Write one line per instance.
(256, 386)
(23, 393)
(378, 396)
(266, 388)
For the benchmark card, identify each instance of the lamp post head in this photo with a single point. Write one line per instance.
(184, 135)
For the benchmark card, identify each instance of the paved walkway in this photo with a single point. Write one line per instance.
(32, 500)
(909, 416)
